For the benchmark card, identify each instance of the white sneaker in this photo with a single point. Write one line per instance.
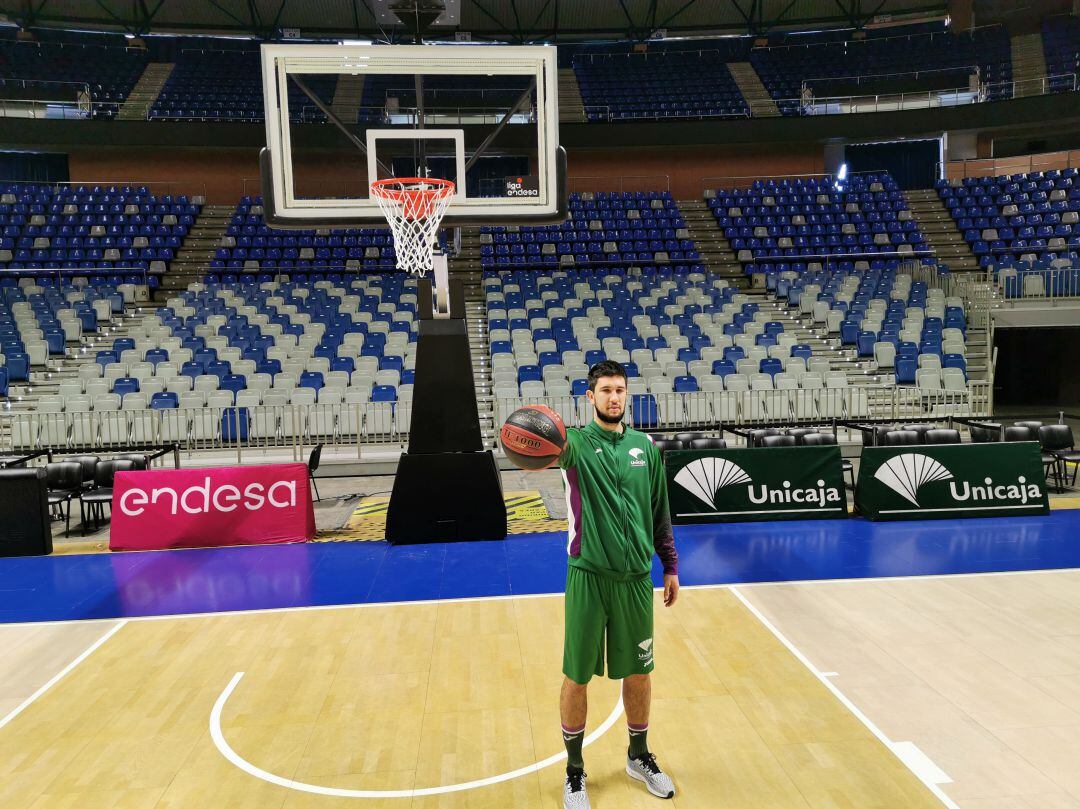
(645, 769)
(574, 794)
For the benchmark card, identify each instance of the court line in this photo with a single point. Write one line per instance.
(554, 594)
(26, 703)
(924, 774)
(337, 792)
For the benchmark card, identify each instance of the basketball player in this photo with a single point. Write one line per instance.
(618, 513)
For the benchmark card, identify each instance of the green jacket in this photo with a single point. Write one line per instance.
(616, 503)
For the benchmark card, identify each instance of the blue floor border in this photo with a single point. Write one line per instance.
(124, 585)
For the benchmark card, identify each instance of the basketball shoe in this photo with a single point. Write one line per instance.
(644, 768)
(574, 794)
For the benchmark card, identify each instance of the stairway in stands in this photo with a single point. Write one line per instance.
(753, 90)
(713, 246)
(347, 97)
(465, 265)
(571, 104)
(1028, 65)
(942, 236)
(197, 250)
(145, 92)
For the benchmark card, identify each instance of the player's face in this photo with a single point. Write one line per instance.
(609, 398)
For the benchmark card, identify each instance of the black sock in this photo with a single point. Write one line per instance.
(573, 738)
(639, 744)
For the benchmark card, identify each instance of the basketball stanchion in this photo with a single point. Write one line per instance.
(447, 485)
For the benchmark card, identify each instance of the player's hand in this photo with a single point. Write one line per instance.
(671, 589)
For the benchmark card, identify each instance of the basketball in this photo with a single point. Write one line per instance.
(533, 437)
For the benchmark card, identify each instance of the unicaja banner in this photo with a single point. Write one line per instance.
(1000, 479)
(205, 508)
(739, 485)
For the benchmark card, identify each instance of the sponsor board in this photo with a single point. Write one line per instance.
(734, 485)
(202, 508)
(1000, 479)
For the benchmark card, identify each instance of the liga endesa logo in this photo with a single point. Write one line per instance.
(205, 498)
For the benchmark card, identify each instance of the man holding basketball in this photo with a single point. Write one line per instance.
(618, 516)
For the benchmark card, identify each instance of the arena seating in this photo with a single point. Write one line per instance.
(1061, 49)
(110, 71)
(916, 332)
(675, 330)
(385, 93)
(251, 245)
(39, 321)
(603, 229)
(1019, 217)
(783, 69)
(122, 229)
(345, 351)
(664, 83)
(792, 224)
(219, 85)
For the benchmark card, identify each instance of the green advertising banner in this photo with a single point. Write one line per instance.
(1000, 479)
(740, 485)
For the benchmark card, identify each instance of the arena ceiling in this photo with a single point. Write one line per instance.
(504, 20)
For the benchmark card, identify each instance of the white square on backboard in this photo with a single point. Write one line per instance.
(456, 135)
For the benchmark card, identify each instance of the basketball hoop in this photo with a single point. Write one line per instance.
(414, 207)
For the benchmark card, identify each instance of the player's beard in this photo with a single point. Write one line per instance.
(606, 417)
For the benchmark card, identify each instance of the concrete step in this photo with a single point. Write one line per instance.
(753, 90)
(140, 100)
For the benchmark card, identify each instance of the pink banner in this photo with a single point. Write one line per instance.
(207, 508)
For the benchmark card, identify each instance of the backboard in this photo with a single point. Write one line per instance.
(341, 116)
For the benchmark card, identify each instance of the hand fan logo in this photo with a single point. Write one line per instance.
(905, 474)
(705, 477)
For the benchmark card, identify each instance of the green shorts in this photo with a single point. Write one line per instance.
(599, 609)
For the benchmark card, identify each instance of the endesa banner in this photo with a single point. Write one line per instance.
(207, 508)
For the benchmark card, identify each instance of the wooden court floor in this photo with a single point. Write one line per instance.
(415, 696)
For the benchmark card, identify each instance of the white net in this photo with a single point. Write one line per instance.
(414, 207)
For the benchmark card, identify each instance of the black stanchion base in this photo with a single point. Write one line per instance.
(446, 497)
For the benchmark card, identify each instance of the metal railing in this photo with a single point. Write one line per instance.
(212, 428)
(606, 112)
(355, 426)
(809, 104)
(858, 78)
(1004, 166)
(664, 411)
(1059, 283)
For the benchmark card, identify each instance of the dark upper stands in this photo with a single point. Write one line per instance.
(1061, 48)
(661, 83)
(110, 71)
(784, 69)
(446, 95)
(227, 85)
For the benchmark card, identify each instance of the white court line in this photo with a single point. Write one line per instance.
(26, 703)
(337, 792)
(559, 594)
(902, 750)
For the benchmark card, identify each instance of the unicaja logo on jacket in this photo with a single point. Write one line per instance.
(636, 458)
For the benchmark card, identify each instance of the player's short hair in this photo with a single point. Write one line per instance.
(606, 368)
